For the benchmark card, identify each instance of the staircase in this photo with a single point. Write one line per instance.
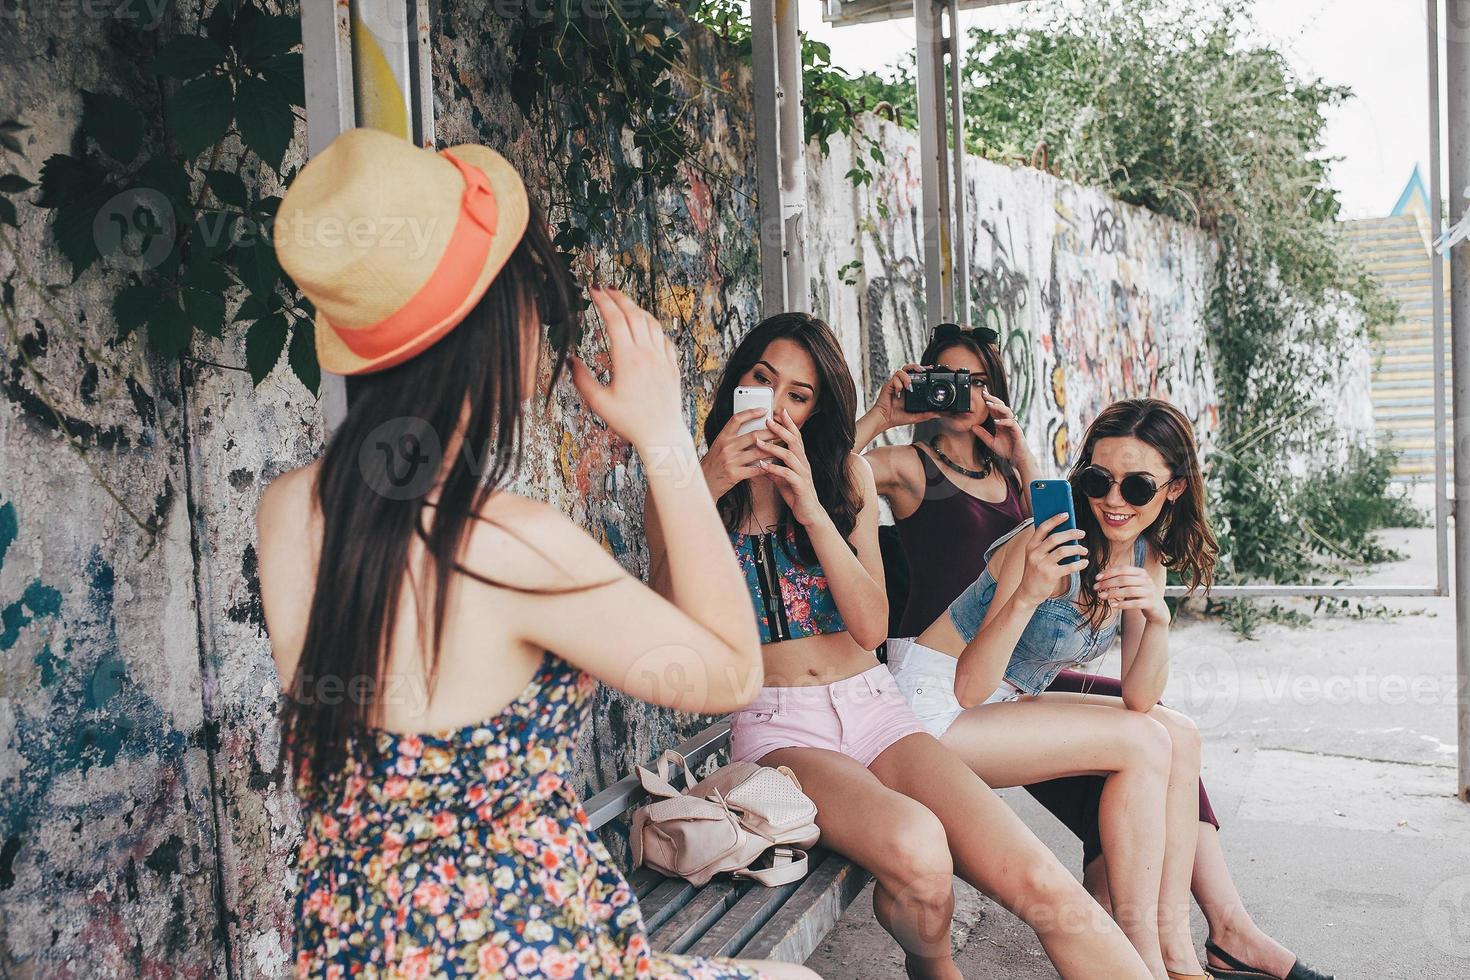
(1396, 254)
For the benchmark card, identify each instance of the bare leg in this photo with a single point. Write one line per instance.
(1181, 810)
(776, 970)
(1029, 741)
(994, 851)
(1231, 926)
(895, 838)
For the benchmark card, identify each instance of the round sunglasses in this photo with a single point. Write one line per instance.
(1137, 488)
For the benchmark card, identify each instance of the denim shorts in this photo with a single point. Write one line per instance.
(859, 716)
(926, 678)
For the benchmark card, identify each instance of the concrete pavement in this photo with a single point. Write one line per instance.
(1329, 755)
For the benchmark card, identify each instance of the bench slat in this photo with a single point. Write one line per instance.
(644, 881)
(628, 791)
(707, 906)
(813, 909)
(665, 899)
(754, 909)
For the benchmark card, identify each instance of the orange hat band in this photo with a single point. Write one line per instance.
(453, 278)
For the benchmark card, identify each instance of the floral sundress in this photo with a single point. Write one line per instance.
(466, 853)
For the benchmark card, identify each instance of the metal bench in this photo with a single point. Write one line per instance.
(729, 918)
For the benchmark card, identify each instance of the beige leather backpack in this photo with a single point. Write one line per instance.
(724, 822)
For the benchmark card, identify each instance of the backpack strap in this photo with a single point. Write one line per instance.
(788, 864)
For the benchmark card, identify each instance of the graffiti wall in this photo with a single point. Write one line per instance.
(1093, 300)
(145, 828)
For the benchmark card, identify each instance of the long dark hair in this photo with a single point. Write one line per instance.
(1181, 533)
(371, 511)
(827, 435)
(995, 370)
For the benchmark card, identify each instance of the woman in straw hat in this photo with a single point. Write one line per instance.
(440, 634)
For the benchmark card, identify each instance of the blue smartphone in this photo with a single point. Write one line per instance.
(1050, 498)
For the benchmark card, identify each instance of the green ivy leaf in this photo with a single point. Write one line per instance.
(263, 345)
(257, 265)
(220, 24)
(14, 184)
(302, 356)
(208, 276)
(112, 123)
(229, 188)
(263, 35)
(132, 306)
(265, 120)
(7, 213)
(211, 233)
(201, 113)
(255, 307)
(206, 311)
(169, 330)
(287, 74)
(67, 180)
(168, 177)
(187, 56)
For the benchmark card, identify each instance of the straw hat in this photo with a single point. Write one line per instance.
(394, 243)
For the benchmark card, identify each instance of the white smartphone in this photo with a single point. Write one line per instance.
(753, 397)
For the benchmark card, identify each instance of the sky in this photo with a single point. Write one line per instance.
(1378, 48)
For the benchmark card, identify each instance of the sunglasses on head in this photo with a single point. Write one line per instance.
(1137, 488)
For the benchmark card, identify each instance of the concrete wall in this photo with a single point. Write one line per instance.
(145, 828)
(1094, 300)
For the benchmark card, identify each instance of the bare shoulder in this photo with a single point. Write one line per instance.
(287, 505)
(899, 463)
(536, 546)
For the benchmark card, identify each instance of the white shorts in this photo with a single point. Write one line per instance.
(926, 678)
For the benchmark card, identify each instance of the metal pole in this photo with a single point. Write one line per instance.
(793, 157)
(768, 156)
(1457, 91)
(934, 217)
(1436, 278)
(957, 133)
(366, 64)
(330, 109)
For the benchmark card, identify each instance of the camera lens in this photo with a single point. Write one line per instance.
(941, 394)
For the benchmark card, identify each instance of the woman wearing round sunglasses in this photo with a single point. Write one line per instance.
(1049, 599)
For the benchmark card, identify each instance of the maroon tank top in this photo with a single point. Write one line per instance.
(945, 541)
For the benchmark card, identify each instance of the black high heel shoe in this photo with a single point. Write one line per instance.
(1244, 971)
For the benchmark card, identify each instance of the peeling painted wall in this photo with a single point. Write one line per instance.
(144, 828)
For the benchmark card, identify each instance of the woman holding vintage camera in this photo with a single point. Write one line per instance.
(800, 510)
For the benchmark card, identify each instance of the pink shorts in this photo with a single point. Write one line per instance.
(859, 716)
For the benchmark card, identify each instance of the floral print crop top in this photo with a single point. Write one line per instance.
(792, 599)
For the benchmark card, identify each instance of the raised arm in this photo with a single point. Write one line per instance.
(1139, 593)
(701, 652)
(888, 413)
(856, 580)
(1027, 571)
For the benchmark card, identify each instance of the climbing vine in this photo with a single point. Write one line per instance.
(161, 193)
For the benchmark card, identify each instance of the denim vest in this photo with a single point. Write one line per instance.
(1058, 635)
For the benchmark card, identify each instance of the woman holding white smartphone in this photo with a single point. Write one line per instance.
(800, 509)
